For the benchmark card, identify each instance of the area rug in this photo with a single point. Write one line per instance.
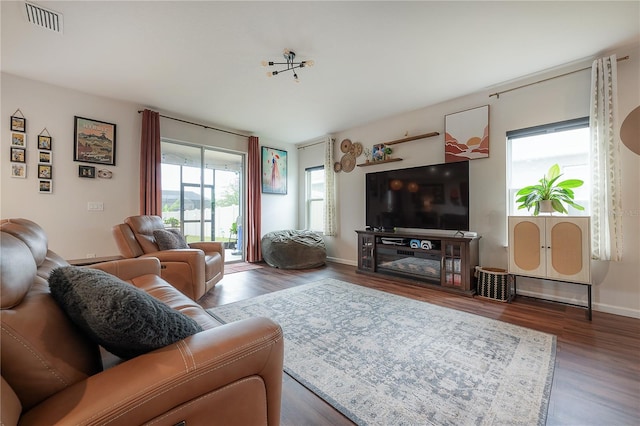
(383, 359)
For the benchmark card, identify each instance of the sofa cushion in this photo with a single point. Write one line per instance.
(125, 320)
(169, 239)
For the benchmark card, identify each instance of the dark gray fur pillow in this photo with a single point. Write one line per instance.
(169, 239)
(125, 320)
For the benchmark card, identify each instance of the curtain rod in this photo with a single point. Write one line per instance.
(497, 94)
(311, 144)
(199, 125)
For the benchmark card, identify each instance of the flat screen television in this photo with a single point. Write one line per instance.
(426, 197)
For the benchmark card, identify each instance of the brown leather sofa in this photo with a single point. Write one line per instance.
(193, 271)
(52, 373)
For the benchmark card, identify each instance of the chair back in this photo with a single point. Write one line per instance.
(142, 228)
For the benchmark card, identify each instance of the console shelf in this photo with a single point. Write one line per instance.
(443, 262)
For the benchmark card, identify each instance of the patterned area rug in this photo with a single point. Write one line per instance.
(382, 359)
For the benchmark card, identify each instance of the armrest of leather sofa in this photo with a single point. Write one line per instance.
(127, 269)
(231, 374)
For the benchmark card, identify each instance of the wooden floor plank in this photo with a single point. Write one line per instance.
(597, 373)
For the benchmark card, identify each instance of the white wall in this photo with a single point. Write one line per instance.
(73, 231)
(616, 287)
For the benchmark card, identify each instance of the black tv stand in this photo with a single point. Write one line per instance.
(441, 260)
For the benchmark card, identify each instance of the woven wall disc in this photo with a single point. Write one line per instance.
(337, 166)
(345, 145)
(357, 149)
(348, 162)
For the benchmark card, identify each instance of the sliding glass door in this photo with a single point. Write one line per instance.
(202, 195)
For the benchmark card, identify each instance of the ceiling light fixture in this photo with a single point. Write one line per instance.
(289, 56)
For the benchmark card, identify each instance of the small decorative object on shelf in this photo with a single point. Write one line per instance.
(367, 154)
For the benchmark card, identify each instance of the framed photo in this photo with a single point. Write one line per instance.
(44, 157)
(19, 139)
(45, 186)
(44, 142)
(377, 153)
(274, 171)
(87, 172)
(45, 171)
(18, 155)
(95, 141)
(18, 170)
(18, 124)
(466, 135)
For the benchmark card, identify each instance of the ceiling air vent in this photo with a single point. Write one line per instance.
(44, 18)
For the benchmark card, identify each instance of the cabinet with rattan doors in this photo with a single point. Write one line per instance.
(551, 247)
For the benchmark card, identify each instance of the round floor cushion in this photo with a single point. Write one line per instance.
(293, 249)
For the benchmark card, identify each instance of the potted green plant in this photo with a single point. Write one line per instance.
(549, 194)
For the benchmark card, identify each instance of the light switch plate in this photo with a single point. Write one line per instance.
(95, 206)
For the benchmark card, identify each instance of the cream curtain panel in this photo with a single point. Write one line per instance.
(330, 221)
(606, 202)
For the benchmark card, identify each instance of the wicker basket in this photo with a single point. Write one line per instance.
(494, 283)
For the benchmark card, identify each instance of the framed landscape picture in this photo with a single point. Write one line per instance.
(95, 141)
(274, 171)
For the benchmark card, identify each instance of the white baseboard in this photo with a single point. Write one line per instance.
(600, 307)
(342, 261)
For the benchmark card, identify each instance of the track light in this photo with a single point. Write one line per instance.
(289, 56)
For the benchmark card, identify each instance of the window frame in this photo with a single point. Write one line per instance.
(550, 128)
(309, 199)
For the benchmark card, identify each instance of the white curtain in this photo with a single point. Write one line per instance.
(606, 203)
(330, 221)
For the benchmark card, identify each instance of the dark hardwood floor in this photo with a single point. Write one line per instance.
(597, 372)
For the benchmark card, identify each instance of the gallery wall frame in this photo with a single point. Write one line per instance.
(87, 172)
(45, 157)
(18, 124)
(19, 170)
(44, 142)
(45, 186)
(18, 155)
(274, 171)
(19, 139)
(467, 135)
(94, 141)
(45, 171)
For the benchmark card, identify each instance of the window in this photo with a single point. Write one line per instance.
(531, 151)
(314, 177)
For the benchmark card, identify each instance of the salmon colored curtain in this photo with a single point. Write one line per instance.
(254, 209)
(150, 165)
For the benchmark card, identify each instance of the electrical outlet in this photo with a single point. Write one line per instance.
(91, 255)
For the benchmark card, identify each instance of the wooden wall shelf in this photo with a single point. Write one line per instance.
(412, 138)
(373, 163)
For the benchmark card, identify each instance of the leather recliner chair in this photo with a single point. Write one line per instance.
(193, 271)
(53, 373)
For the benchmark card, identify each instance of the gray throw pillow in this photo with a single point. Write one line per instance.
(125, 320)
(169, 239)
